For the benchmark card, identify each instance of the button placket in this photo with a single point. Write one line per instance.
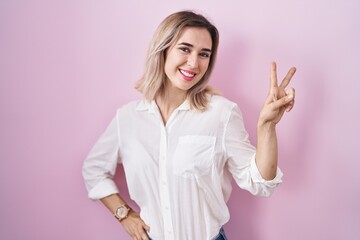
(164, 191)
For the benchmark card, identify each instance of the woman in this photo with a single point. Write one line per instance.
(182, 143)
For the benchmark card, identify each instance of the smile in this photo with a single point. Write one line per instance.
(187, 75)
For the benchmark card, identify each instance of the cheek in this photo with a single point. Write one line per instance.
(204, 66)
(169, 64)
(172, 62)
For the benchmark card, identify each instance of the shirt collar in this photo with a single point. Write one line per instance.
(151, 106)
(185, 105)
(145, 105)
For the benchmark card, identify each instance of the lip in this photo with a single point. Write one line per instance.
(187, 77)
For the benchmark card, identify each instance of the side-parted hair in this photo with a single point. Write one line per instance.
(153, 79)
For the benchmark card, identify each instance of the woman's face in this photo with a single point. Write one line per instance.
(188, 59)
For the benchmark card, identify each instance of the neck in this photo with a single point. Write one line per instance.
(168, 101)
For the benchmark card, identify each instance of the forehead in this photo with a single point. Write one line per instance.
(196, 36)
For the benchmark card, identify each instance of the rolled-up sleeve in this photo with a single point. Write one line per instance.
(100, 165)
(241, 157)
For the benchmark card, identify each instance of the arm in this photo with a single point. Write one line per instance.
(98, 172)
(277, 102)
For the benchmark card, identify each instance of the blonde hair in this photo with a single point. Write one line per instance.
(153, 79)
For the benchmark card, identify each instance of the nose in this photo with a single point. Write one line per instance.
(193, 61)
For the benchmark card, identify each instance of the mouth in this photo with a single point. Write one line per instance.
(187, 75)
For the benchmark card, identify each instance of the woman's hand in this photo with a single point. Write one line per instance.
(135, 226)
(279, 99)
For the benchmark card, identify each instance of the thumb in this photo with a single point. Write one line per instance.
(146, 227)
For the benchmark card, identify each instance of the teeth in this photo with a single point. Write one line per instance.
(187, 74)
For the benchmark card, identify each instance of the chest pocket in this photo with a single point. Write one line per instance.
(193, 156)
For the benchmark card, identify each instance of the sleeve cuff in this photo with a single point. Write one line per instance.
(257, 178)
(103, 189)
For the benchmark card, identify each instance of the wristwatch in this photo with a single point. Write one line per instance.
(122, 212)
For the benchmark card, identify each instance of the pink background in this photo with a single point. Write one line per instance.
(65, 66)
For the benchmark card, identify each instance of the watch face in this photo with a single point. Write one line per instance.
(122, 211)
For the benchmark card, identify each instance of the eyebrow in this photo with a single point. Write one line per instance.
(190, 45)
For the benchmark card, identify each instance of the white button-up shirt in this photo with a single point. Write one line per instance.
(179, 173)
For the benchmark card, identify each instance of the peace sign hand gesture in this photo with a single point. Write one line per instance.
(279, 100)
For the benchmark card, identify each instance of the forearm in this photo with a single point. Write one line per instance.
(267, 150)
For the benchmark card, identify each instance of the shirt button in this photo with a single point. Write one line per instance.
(163, 183)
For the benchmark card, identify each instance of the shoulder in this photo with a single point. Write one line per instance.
(224, 108)
(220, 109)
(217, 102)
(133, 106)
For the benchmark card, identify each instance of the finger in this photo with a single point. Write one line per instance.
(137, 236)
(272, 97)
(138, 233)
(290, 106)
(288, 77)
(134, 236)
(291, 91)
(283, 101)
(146, 227)
(273, 75)
(144, 236)
(275, 92)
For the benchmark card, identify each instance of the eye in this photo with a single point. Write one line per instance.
(184, 49)
(204, 55)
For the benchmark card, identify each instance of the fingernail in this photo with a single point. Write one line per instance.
(290, 96)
